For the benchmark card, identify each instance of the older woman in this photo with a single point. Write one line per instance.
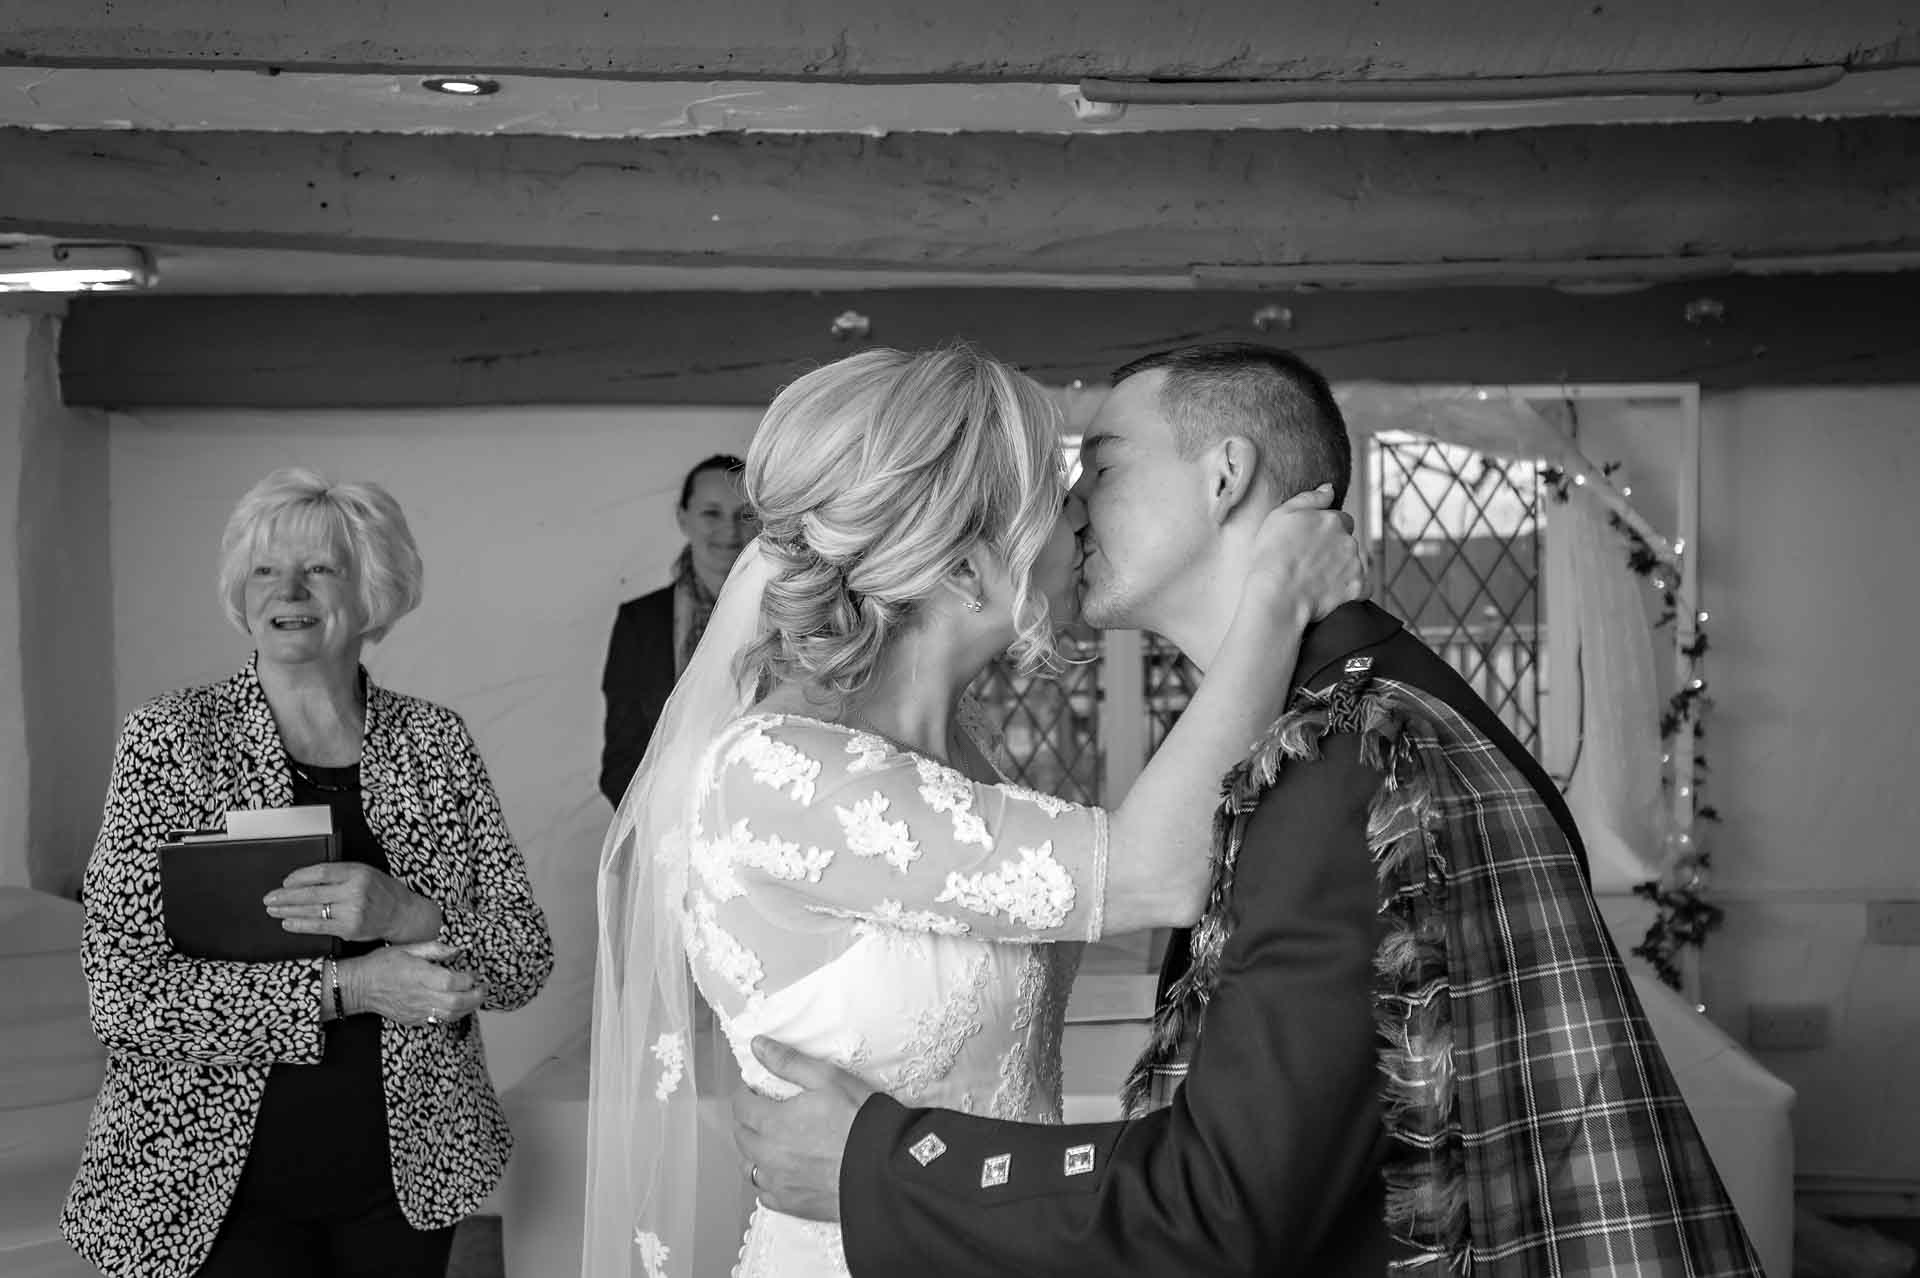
(314, 1116)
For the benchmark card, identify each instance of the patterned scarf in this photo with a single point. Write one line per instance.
(1537, 1128)
(692, 606)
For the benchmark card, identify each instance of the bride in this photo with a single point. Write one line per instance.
(820, 838)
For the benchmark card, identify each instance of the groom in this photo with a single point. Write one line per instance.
(1399, 1039)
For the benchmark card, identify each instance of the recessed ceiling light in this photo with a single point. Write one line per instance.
(73, 268)
(463, 86)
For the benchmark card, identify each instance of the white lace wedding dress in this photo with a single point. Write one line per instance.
(881, 910)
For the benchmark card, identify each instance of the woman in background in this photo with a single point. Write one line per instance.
(654, 636)
(324, 1116)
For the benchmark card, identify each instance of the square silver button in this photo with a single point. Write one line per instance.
(1079, 1160)
(927, 1148)
(996, 1170)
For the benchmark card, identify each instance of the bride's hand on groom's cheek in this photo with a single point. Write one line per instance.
(790, 1149)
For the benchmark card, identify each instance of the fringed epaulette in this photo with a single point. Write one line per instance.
(1426, 1195)
(1426, 1180)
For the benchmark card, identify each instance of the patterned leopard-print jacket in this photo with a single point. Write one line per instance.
(190, 1042)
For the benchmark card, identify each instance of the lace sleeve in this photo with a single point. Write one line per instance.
(832, 822)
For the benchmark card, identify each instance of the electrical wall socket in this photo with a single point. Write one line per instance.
(1787, 1026)
(1893, 923)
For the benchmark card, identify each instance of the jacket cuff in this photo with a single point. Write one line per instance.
(872, 1231)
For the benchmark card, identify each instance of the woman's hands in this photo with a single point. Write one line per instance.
(354, 902)
(1306, 557)
(410, 984)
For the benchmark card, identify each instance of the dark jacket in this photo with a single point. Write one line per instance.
(637, 682)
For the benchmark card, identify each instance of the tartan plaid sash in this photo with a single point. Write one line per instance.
(1537, 1129)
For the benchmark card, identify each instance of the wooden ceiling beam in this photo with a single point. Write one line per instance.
(1091, 204)
(740, 348)
(990, 40)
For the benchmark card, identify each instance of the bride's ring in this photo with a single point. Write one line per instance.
(753, 1175)
(326, 911)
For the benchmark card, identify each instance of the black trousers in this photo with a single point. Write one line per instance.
(377, 1244)
(316, 1197)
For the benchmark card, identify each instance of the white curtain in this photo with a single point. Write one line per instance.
(1601, 728)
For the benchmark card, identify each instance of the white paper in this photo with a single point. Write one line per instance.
(279, 823)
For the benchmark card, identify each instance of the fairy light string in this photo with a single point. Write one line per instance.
(1683, 916)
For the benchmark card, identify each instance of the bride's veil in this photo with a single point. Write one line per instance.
(643, 1173)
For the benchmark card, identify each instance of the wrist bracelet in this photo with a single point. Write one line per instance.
(333, 980)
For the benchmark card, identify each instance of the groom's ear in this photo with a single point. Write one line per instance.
(1234, 468)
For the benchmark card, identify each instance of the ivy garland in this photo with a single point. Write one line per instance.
(1682, 914)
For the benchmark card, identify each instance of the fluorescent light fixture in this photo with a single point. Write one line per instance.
(74, 268)
(462, 86)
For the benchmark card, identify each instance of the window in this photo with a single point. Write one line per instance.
(1456, 541)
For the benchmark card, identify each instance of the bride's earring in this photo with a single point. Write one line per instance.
(975, 606)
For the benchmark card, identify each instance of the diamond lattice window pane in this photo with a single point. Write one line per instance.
(1170, 681)
(1457, 546)
(1051, 722)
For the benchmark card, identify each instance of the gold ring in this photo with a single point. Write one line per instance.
(326, 911)
(753, 1175)
(433, 1018)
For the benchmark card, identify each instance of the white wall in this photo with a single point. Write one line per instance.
(15, 764)
(67, 630)
(56, 619)
(534, 525)
(1810, 528)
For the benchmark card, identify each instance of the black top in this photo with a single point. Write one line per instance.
(320, 1142)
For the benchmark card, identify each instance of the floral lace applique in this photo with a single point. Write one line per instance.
(671, 1051)
(869, 752)
(653, 1253)
(715, 860)
(869, 833)
(1063, 964)
(852, 1053)
(908, 945)
(712, 861)
(777, 764)
(778, 857)
(735, 963)
(1014, 1097)
(1053, 806)
(690, 936)
(939, 1036)
(895, 916)
(945, 790)
(1036, 890)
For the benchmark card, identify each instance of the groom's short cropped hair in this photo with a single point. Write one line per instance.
(1271, 396)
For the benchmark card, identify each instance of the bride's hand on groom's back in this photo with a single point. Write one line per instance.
(1307, 557)
(790, 1149)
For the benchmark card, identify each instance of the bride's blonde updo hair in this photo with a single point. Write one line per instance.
(873, 477)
